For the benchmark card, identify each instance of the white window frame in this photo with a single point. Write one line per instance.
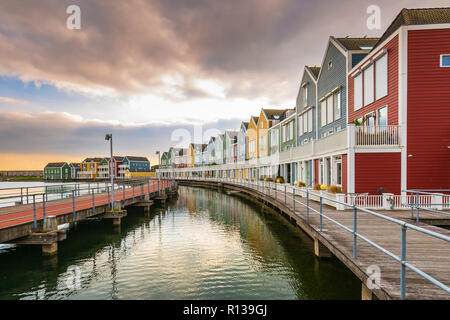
(386, 70)
(369, 90)
(310, 121)
(441, 59)
(357, 100)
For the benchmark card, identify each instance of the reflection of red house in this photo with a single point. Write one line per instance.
(400, 93)
(117, 160)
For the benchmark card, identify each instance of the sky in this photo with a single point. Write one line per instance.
(156, 73)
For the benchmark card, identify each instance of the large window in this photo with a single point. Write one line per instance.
(252, 146)
(381, 77)
(368, 85)
(304, 96)
(330, 109)
(274, 138)
(382, 116)
(357, 92)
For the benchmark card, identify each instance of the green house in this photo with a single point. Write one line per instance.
(57, 171)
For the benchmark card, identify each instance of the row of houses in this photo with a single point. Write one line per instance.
(373, 117)
(99, 168)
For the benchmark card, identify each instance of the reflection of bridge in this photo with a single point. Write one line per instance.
(37, 222)
(412, 258)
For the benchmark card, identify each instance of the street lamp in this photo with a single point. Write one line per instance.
(159, 166)
(111, 167)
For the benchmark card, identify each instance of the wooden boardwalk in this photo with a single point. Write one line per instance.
(429, 254)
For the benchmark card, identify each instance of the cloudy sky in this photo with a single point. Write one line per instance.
(156, 73)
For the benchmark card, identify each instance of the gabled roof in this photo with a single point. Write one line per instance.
(74, 165)
(273, 114)
(365, 44)
(204, 147)
(314, 71)
(254, 120)
(416, 17)
(135, 158)
(93, 160)
(55, 164)
(232, 135)
(245, 124)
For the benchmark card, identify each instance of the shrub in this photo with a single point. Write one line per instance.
(268, 179)
(301, 184)
(317, 186)
(279, 179)
(334, 189)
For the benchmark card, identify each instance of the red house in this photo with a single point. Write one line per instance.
(399, 107)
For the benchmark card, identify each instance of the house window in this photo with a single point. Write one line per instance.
(368, 85)
(310, 121)
(305, 96)
(381, 69)
(300, 125)
(357, 92)
(331, 109)
(305, 122)
(445, 60)
(382, 116)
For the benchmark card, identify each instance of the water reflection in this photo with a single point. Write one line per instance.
(204, 245)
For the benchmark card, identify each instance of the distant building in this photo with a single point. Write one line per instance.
(133, 164)
(89, 168)
(74, 169)
(57, 171)
(21, 173)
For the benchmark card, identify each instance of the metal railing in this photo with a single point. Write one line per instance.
(377, 135)
(272, 189)
(83, 197)
(435, 201)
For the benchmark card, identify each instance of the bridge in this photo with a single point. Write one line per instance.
(30, 216)
(395, 256)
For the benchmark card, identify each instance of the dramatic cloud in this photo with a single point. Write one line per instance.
(72, 137)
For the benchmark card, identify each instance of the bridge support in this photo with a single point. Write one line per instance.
(320, 250)
(117, 214)
(145, 203)
(366, 293)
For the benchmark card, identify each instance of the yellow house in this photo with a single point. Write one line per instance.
(252, 138)
(267, 118)
(139, 174)
(89, 168)
(190, 156)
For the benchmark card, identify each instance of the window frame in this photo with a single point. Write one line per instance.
(366, 87)
(441, 60)
(378, 58)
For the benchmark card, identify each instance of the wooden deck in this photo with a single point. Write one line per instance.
(429, 254)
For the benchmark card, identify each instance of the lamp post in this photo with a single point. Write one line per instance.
(111, 167)
(159, 167)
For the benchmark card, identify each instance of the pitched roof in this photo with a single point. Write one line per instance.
(314, 70)
(75, 165)
(55, 164)
(274, 114)
(358, 43)
(416, 17)
(245, 124)
(134, 158)
(93, 159)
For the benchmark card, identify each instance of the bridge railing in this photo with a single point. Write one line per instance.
(435, 201)
(277, 190)
(82, 197)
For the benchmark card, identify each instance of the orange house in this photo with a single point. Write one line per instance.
(267, 118)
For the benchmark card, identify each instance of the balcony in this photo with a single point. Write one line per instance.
(377, 135)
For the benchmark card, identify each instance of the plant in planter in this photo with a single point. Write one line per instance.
(334, 189)
(317, 186)
(279, 179)
(301, 184)
(268, 179)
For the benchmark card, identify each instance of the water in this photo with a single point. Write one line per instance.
(204, 245)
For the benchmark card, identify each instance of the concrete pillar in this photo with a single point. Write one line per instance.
(49, 224)
(320, 250)
(366, 293)
(117, 221)
(50, 249)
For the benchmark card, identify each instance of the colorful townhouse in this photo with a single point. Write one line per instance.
(104, 170)
(57, 171)
(399, 104)
(219, 149)
(372, 118)
(133, 165)
(74, 169)
(164, 160)
(89, 168)
(252, 138)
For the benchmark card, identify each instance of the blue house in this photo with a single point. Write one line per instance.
(136, 164)
(340, 57)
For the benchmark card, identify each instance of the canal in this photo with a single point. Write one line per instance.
(203, 245)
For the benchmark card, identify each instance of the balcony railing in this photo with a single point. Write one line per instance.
(377, 135)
